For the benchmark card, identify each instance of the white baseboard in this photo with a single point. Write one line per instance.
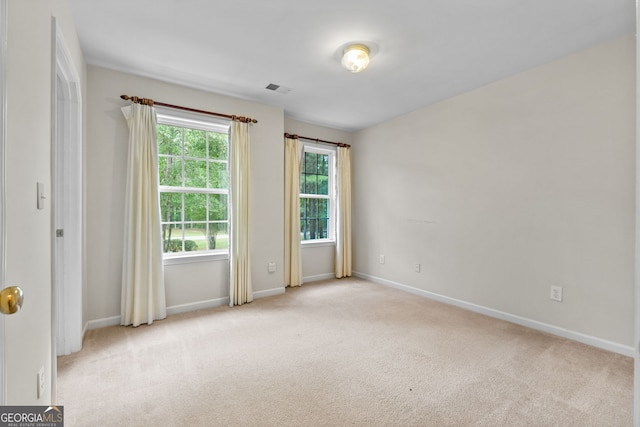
(523, 321)
(102, 323)
(181, 308)
(199, 305)
(269, 292)
(318, 277)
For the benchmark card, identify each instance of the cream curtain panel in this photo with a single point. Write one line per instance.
(143, 294)
(292, 258)
(240, 289)
(343, 217)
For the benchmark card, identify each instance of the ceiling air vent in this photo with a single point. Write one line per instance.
(277, 88)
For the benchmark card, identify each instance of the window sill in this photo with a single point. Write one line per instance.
(187, 259)
(318, 243)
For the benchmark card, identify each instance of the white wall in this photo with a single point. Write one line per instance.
(29, 231)
(191, 283)
(504, 191)
(498, 194)
(318, 262)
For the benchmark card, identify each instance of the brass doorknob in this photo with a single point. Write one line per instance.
(10, 300)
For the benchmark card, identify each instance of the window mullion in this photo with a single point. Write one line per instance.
(208, 181)
(167, 189)
(182, 226)
(315, 196)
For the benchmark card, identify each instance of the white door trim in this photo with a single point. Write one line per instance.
(67, 204)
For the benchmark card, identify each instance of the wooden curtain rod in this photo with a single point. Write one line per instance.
(151, 102)
(339, 144)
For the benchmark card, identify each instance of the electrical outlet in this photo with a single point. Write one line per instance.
(41, 382)
(416, 268)
(556, 293)
(271, 267)
(381, 259)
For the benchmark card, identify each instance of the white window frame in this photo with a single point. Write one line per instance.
(310, 147)
(202, 122)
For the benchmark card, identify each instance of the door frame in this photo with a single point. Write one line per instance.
(67, 204)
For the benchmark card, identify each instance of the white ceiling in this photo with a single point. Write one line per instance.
(423, 50)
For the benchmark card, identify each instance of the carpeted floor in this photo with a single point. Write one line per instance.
(341, 353)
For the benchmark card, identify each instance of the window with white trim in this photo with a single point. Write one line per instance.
(317, 194)
(193, 169)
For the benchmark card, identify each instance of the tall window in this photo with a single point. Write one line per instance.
(193, 167)
(317, 194)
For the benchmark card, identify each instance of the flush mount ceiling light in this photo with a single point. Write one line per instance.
(355, 57)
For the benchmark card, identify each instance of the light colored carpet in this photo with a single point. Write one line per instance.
(341, 353)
